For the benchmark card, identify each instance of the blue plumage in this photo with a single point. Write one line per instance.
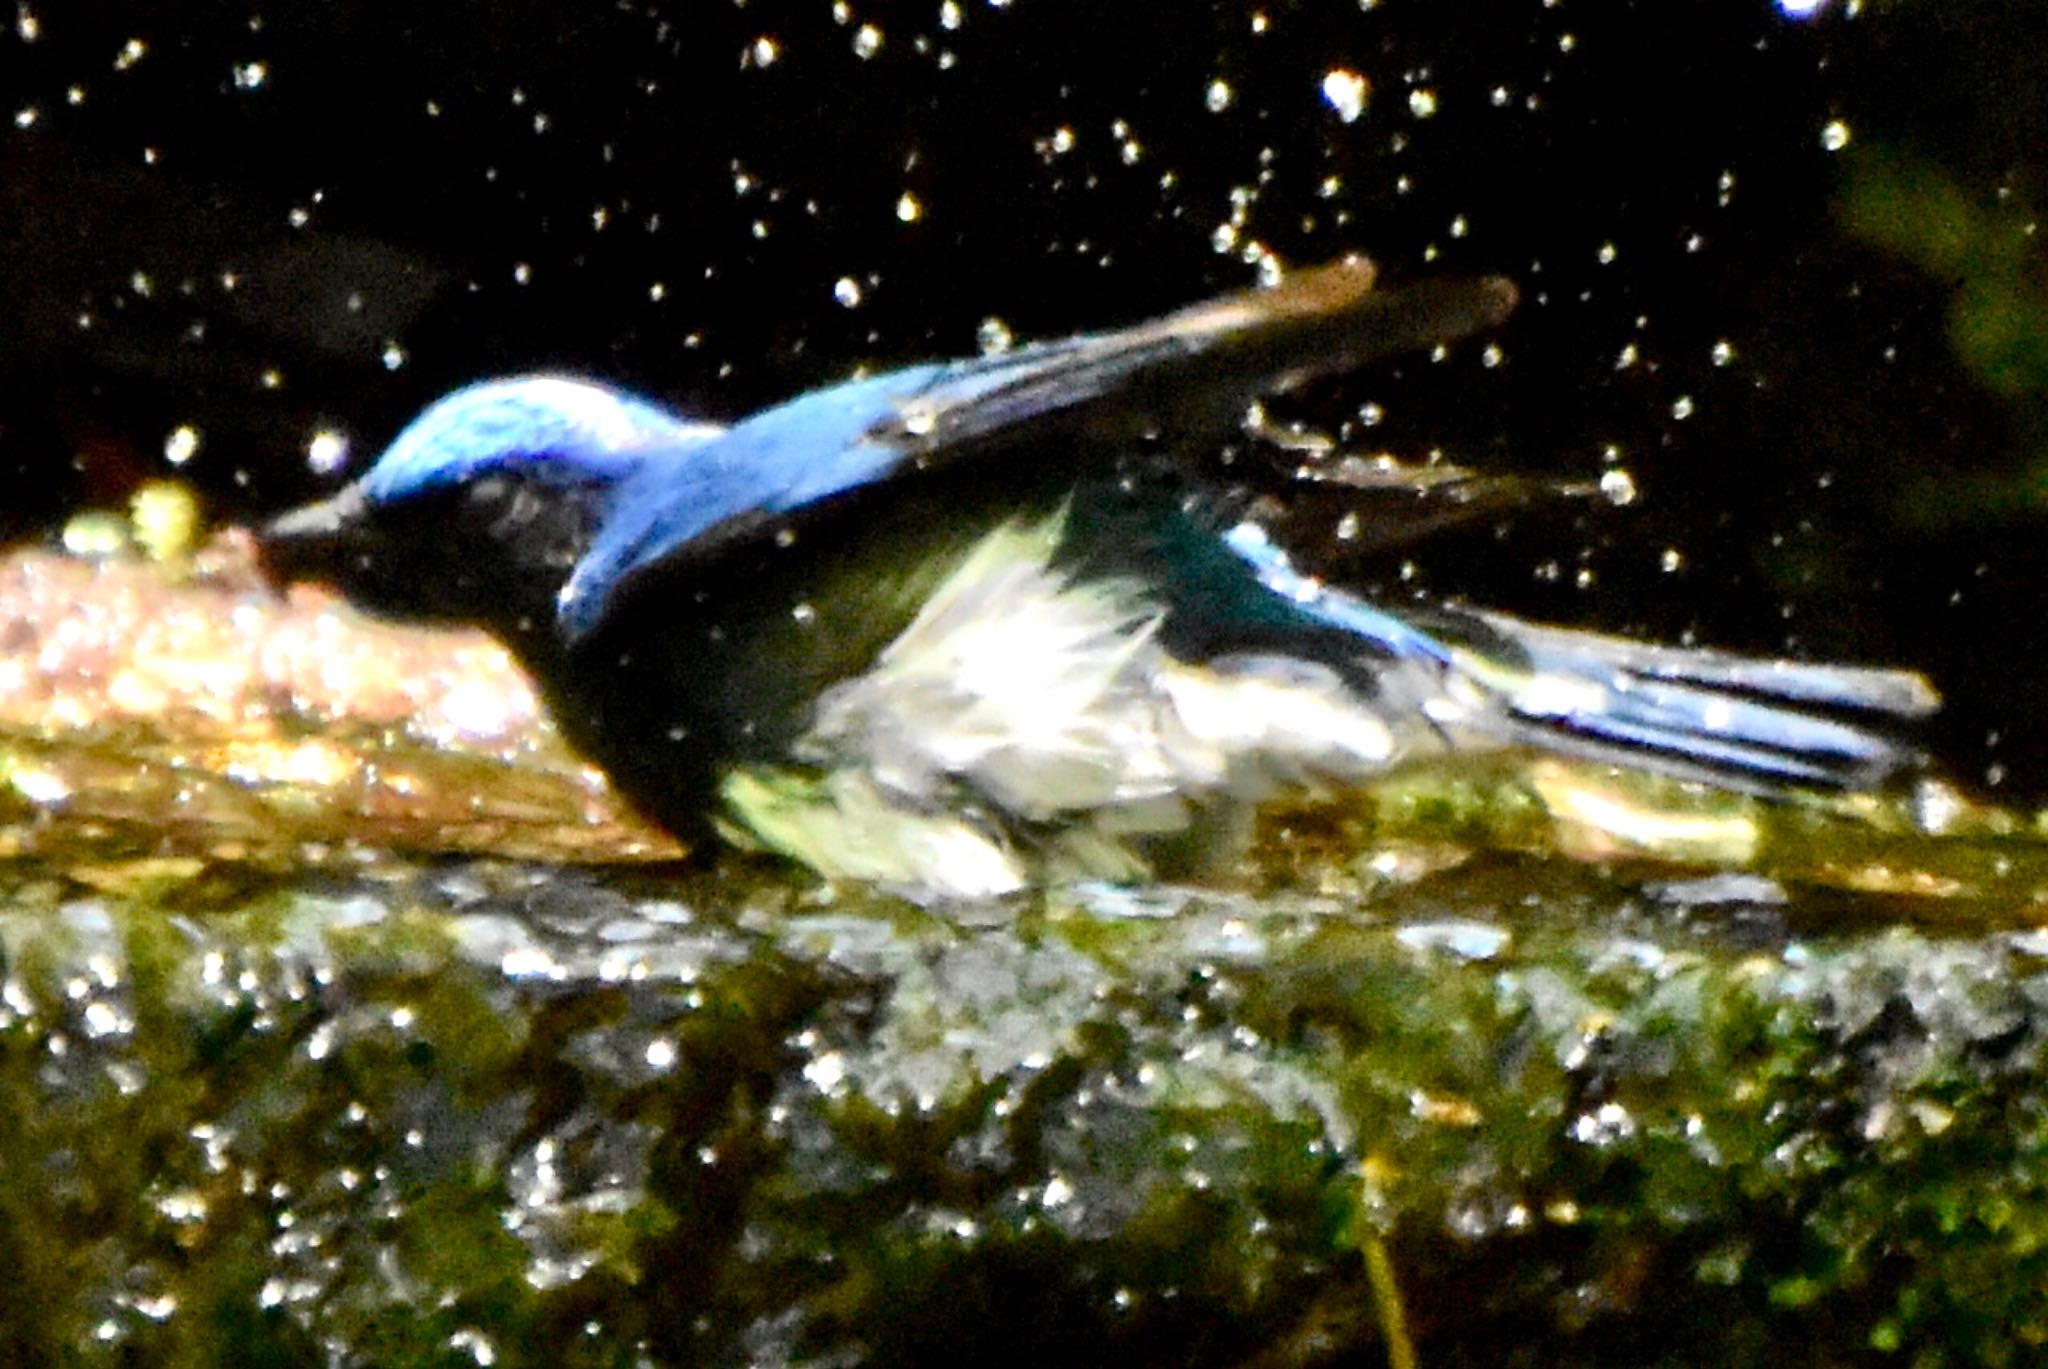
(548, 427)
(777, 462)
(965, 624)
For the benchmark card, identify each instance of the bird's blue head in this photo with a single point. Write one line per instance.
(480, 508)
(552, 430)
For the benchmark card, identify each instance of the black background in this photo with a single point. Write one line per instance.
(406, 197)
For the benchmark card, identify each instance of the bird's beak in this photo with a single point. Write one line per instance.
(319, 522)
(308, 542)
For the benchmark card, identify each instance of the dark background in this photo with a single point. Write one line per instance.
(267, 223)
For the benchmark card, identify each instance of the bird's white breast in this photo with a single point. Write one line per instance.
(1026, 696)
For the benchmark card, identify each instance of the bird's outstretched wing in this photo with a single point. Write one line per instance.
(1196, 369)
(1188, 375)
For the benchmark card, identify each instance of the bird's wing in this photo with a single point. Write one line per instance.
(1197, 369)
(1188, 375)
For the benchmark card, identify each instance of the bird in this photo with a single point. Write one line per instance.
(969, 626)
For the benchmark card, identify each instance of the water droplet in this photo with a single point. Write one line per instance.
(1618, 485)
(994, 336)
(251, 75)
(1422, 102)
(326, 451)
(825, 1072)
(1834, 135)
(1219, 96)
(908, 210)
(867, 41)
(765, 51)
(847, 291)
(182, 445)
(1346, 92)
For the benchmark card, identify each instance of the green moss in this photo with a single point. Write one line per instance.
(1584, 1119)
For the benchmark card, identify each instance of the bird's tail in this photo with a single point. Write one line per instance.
(1741, 722)
(1738, 721)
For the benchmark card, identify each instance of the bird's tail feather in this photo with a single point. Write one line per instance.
(1738, 721)
(1741, 722)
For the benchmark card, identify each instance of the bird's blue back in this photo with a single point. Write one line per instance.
(775, 462)
(1194, 371)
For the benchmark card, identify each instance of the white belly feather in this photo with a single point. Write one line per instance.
(1025, 699)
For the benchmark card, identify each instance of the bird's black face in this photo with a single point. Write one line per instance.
(493, 551)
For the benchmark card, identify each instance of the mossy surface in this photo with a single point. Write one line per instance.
(445, 1114)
